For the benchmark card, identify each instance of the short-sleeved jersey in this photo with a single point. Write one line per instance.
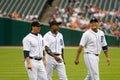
(54, 42)
(34, 44)
(93, 42)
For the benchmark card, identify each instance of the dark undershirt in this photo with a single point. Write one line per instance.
(36, 34)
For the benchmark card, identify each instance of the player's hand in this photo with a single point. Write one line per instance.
(108, 61)
(76, 61)
(58, 59)
(29, 67)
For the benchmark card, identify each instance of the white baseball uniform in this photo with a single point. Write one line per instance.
(92, 43)
(34, 44)
(55, 43)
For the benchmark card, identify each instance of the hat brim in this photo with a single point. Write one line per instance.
(36, 23)
(58, 23)
(93, 21)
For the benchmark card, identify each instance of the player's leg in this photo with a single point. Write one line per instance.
(32, 74)
(42, 75)
(61, 71)
(49, 69)
(91, 62)
(88, 77)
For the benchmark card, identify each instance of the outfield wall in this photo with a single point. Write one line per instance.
(12, 32)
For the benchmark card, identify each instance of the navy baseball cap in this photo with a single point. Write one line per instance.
(54, 22)
(93, 20)
(36, 23)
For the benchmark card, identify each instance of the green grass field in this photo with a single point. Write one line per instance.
(12, 65)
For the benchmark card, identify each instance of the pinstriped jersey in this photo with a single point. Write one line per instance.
(92, 41)
(34, 44)
(54, 42)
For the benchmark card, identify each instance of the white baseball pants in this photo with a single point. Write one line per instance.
(92, 62)
(52, 65)
(38, 70)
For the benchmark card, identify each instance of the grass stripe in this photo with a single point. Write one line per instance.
(12, 65)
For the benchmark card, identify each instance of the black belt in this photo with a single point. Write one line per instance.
(35, 58)
(94, 54)
(97, 54)
(57, 54)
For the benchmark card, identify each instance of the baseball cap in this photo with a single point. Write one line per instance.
(93, 19)
(55, 22)
(36, 23)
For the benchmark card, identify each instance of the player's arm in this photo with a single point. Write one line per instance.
(105, 49)
(26, 48)
(47, 49)
(78, 54)
(63, 55)
(27, 59)
(44, 59)
(51, 54)
(83, 42)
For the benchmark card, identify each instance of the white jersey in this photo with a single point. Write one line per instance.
(93, 42)
(34, 44)
(54, 42)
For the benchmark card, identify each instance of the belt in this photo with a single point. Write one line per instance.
(94, 54)
(35, 58)
(57, 54)
(97, 54)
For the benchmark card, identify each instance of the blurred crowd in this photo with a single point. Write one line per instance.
(73, 17)
(15, 15)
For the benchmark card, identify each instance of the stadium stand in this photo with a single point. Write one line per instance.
(76, 14)
(23, 7)
(80, 11)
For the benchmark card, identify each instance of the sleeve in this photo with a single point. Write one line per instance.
(43, 44)
(62, 42)
(104, 41)
(83, 40)
(26, 44)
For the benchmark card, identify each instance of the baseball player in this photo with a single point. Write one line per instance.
(93, 41)
(33, 53)
(54, 45)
